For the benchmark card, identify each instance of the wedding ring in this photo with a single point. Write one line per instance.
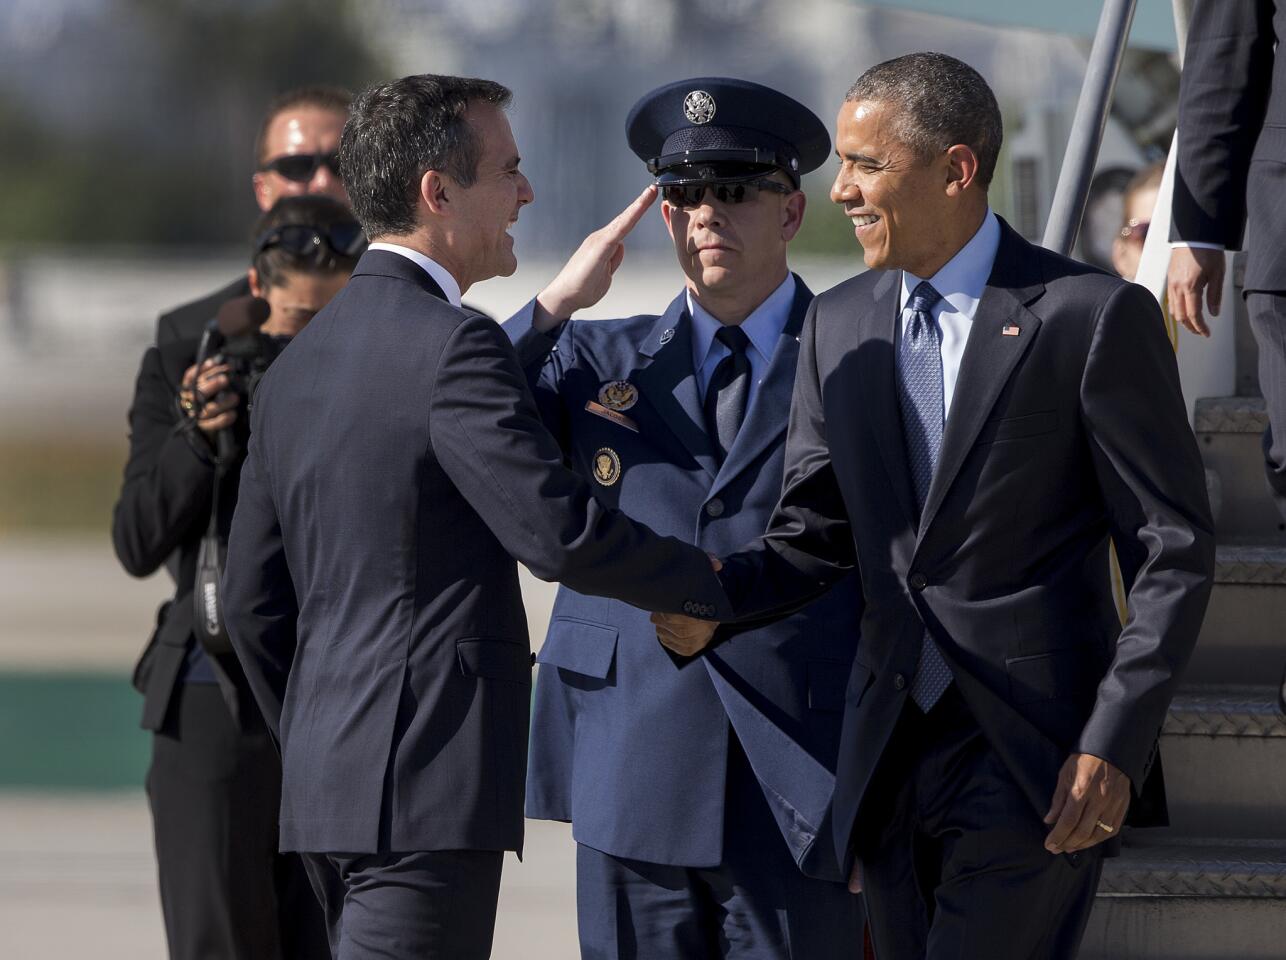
(1103, 826)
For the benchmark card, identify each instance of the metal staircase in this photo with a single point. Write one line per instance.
(1212, 886)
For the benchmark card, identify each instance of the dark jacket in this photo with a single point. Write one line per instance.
(1070, 431)
(397, 468)
(1231, 173)
(627, 746)
(163, 511)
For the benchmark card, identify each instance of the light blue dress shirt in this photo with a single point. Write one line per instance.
(763, 327)
(961, 282)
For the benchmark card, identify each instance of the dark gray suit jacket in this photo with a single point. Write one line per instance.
(397, 467)
(1231, 173)
(1068, 432)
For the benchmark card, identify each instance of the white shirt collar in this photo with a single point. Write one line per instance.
(763, 326)
(434, 269)
(963, 278)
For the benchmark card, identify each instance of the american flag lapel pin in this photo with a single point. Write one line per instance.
(1010, 330)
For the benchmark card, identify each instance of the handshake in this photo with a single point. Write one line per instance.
(686, 636)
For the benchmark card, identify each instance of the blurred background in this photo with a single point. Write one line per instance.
(126, 131)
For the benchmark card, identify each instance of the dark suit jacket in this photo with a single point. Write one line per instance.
(162, 513)
(1231, 174)
(397, 467)
(625, 745)
(1070, 431)
(187, 322)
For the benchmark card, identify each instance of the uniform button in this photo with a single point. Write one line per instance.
(899, 682)
(714, 508)
(918, 581)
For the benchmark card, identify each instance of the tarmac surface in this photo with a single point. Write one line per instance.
(77, 873)
(78, 881)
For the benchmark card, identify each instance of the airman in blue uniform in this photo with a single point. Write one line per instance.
(698, 791)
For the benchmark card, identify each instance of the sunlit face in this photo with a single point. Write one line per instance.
(489, 208)
(895, 199)
(728, 245)
(308, 130)
(296, 300)
(1126, 251)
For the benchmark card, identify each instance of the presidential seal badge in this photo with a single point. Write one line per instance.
(607, 466)
(698, 107)
(618, 395)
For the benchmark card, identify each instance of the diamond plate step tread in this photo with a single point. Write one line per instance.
(1230, 415)
(1249, 869)
(1248, 563)
(1225, 712)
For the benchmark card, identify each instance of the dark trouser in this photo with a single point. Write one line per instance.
(1268, 322)
(756, 905)
(952, 856)
(214, 790)
(439, 905)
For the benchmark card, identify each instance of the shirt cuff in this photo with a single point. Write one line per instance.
(1196, 245)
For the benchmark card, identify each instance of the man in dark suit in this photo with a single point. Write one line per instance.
(972, 419)
(215, 780)
(693, 793)
(294, 155)
(397, 468)
(1230, 187)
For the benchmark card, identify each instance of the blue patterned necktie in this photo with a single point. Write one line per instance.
(920, 397)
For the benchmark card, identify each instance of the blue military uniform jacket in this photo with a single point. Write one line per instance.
(627, 745)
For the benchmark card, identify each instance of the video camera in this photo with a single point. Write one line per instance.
(234, 337)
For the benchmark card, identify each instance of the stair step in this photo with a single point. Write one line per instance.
(1230, 415)
(1243, 637)
(1228, 433)
(1223, 750)
(1168, 899)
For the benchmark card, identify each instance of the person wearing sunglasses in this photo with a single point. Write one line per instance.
(215, 778)
(1137, 203)
(697, 791)
(294, 154)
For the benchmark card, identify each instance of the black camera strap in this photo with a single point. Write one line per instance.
(208, 622)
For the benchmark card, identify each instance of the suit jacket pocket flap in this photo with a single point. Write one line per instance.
(827, 680)
(580, 646)
(1045, 676)
(1015, 428)
(495, 659)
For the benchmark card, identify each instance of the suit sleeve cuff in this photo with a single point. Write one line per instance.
(1196, 245)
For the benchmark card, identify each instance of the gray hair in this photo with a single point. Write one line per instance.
(940, 101)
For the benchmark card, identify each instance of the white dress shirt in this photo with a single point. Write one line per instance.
(763, 327)
(434, 269)
(961, 282)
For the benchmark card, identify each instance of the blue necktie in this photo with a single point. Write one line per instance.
(920, 397)
(728, 393)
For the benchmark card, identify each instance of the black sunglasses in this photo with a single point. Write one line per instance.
(300, 167)
(302, 240)
(689, 194)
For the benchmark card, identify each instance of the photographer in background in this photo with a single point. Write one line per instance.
(215, 778)
(294, 155)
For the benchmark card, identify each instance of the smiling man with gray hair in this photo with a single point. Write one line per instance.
(973, 419)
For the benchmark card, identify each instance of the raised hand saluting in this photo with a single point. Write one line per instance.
(587, 276)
